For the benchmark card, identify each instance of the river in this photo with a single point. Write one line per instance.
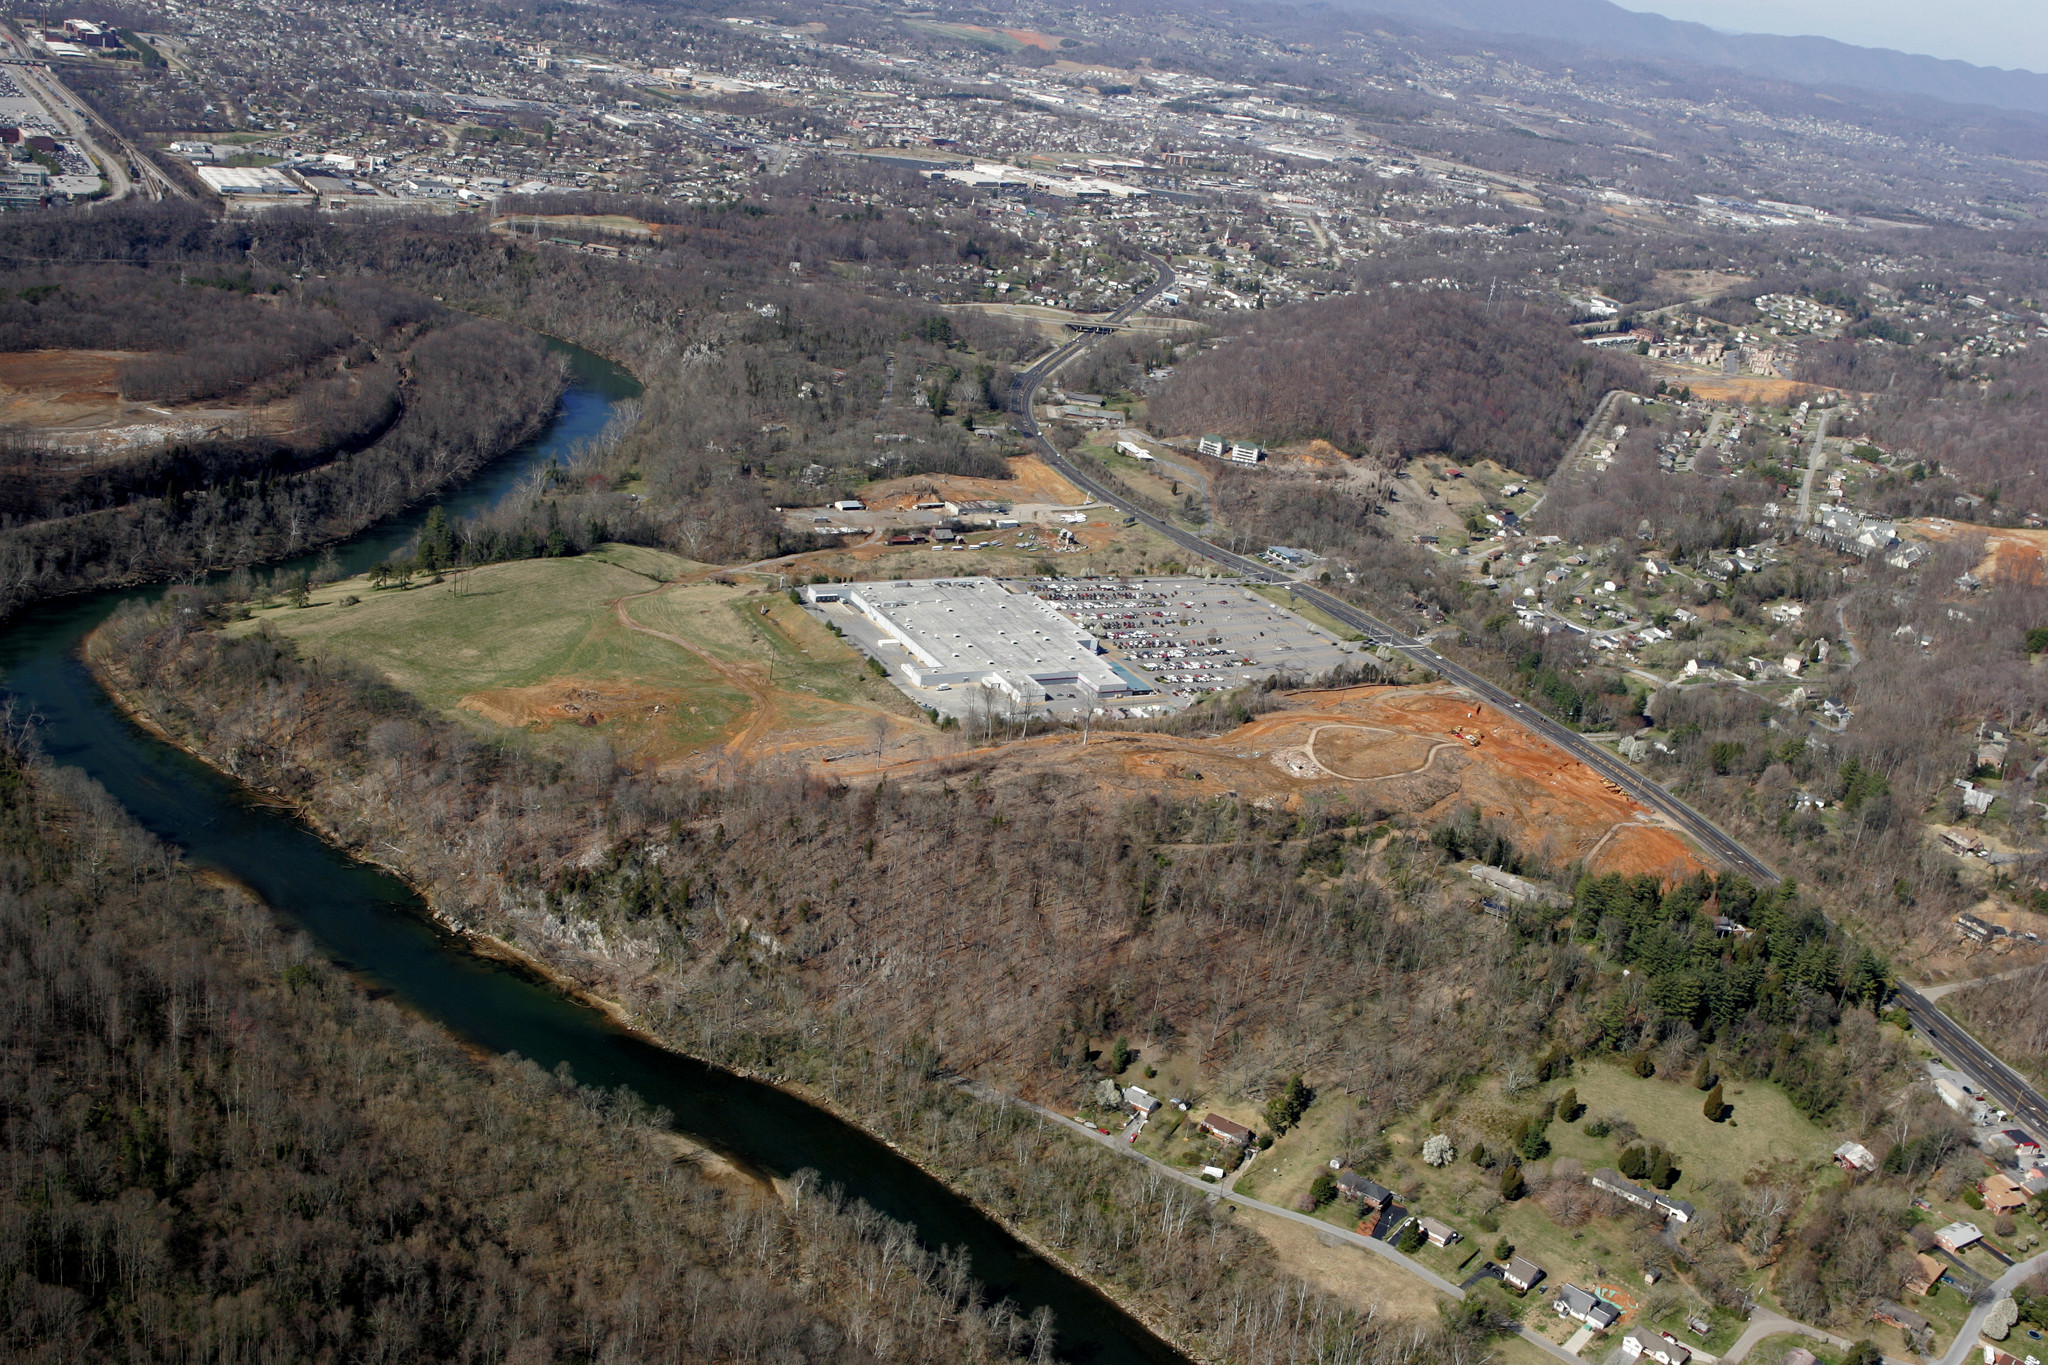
(375, 927)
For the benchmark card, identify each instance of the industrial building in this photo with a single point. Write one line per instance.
(948, 632)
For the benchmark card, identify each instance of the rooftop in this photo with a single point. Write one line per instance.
(973, 630)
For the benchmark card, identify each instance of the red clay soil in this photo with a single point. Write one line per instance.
(1388, 746)
(1032, 480)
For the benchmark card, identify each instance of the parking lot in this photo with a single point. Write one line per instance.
(1192, 636)
(1182, 638)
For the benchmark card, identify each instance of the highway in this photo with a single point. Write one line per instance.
(1698, 827)
(1968, 1055)
(128, 170)
(1999, 1081)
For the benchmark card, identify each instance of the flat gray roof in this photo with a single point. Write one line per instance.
(970, 630)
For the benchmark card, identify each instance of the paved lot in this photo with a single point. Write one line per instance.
(1183, 637)
(1192, 636)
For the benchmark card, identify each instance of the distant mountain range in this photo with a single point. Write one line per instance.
(1807, 61)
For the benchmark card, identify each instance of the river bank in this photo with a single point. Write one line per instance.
(496, 994)
(587, 988)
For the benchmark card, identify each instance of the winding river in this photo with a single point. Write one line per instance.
(374, 926)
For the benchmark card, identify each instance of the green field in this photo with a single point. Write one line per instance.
(632, 642)
(1762, 1127)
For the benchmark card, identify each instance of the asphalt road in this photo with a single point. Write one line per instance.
(1971, 1057)
(1330, 1232)
(1702, 830)
(1966, 1053)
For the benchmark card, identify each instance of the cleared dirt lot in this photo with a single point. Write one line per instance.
(71, 401)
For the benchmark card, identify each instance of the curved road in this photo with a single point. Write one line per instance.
(1703, 831)
(1384, 1250)
(1966, 1053)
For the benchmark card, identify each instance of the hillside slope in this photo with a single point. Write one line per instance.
(1805, 60)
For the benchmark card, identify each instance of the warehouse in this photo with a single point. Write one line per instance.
(948, 632)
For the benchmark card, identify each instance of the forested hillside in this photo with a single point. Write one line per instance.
(788, 915)
(1400, 373)
(476, 388)
(216, 1145)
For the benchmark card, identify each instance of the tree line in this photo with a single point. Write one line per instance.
(216, 1144)
(783, 925)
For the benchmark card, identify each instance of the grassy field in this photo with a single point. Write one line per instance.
(629, 642)
(1352, 1273)
(1763, 1126)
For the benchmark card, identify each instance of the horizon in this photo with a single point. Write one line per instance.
(2004, 34)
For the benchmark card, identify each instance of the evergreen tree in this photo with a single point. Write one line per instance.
(1512, 1186)
(437, 542)
(1715, 1108)
(1568, 1108)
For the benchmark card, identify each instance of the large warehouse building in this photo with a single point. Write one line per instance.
(956, 631)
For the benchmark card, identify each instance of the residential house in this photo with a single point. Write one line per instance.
(1141, 1101)
(1661, 1347)
(1926, 1273)
(1905, 1319)
(1854, 1156)
(1216, 1126)
(1439, 1234)
(1957, 1236)
(1677, 1210)
(1521, 1273)
(1799, 1355)
(1371, 1194)
(2003, 1194)
(1606, 1179)
(1662, 1204)
(1581, 1306)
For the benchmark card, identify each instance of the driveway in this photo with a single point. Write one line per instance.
(1966, 1340)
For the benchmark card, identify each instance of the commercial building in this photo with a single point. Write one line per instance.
(249, 182)
(948, 632)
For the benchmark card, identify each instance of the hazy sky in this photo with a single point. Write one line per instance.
(1988, 32)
